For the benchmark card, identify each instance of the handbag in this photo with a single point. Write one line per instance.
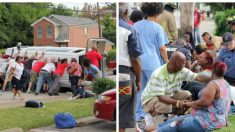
(64, 120)
(11, 75)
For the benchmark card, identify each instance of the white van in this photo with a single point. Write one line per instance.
(56, 52)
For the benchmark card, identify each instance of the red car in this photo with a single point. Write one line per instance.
(105, 105)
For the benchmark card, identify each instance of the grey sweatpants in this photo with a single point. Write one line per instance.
(55, 88)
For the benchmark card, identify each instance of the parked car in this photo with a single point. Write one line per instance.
(105, 105)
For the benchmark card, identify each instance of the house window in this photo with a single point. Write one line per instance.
(49, 31)
(39, 34)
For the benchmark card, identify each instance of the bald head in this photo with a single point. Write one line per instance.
(177, 56)
(177, 62)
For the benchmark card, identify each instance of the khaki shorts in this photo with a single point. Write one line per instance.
(154, 106)
(33, 77)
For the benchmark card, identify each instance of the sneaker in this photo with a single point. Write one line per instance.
(56, 94)
(36, 94)
(70, 98)
(140, 126)
(50, 94)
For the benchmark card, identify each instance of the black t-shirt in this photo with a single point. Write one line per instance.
(29, 64)
(172, 48)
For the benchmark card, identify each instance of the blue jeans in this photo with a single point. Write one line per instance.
(44, 76)
(146, 74)
(196, 36)
(187, 124)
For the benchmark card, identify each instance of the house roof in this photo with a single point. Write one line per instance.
(70, 20)
(47, 19)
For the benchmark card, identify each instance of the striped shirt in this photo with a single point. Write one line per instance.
(164, 83)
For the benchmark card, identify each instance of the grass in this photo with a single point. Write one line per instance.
(28, 118)
(231, 127)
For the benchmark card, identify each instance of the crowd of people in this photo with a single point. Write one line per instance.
(171, 73)
(42, 74)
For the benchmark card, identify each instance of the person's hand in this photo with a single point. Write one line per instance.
(188, 104)
(43, 53)
(138, 85)
(184, 103)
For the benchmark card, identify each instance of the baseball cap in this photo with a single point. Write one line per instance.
(227, 38)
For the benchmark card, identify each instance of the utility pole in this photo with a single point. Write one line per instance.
(98, 11)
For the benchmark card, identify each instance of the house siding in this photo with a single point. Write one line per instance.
(44, 41)
(77, 35)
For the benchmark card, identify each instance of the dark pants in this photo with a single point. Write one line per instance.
(230, 80)
(194, 88)
(127, 99)
(74, 82)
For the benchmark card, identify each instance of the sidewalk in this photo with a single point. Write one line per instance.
(6, 100)
(84, 124)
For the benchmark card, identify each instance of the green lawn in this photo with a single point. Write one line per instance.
(231, 127)
(28, 118)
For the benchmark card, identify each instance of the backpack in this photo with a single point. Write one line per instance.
(33, 104)
(64, 120)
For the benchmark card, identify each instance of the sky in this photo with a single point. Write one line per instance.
(78, 4)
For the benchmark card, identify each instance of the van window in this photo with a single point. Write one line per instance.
(77, 51)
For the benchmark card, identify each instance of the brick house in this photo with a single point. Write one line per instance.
(64, 31)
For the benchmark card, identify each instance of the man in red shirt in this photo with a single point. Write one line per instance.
(54, 90)
(94, 56)
(34, 72)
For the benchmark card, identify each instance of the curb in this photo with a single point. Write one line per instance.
(81, 122)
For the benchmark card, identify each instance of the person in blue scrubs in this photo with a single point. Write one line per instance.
(152, 39)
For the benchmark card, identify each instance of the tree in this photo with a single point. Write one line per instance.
(16, 20)
(109, 31)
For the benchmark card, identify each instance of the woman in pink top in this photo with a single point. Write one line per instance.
(75, 76)
(57, 75)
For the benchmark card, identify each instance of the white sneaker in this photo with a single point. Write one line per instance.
(70, 98)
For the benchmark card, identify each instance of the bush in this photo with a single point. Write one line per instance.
(102, 84)
(111, 55)
(222, 25)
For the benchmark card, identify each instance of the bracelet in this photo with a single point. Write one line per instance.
(177, 104)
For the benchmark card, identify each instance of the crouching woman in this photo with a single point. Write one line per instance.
(209, 112)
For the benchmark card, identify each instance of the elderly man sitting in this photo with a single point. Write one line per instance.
(163, 89)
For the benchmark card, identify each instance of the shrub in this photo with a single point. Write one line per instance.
(222, 25)
(102, 84)
(111, 55)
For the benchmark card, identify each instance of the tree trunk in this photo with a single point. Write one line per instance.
(186, 17)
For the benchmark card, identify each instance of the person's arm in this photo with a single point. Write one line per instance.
(203, 79)
(164, 53)
(188, 64)
(40, 57)
(208, 95)
(136, 65)
(99, 56)
(193, 66)
(168, 100)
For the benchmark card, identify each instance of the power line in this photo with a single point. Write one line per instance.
(53, 7)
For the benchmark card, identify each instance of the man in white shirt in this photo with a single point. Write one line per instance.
(46, 75)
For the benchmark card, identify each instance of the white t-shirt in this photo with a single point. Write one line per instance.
(18, 70)
(124, 58)
(50, 67)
